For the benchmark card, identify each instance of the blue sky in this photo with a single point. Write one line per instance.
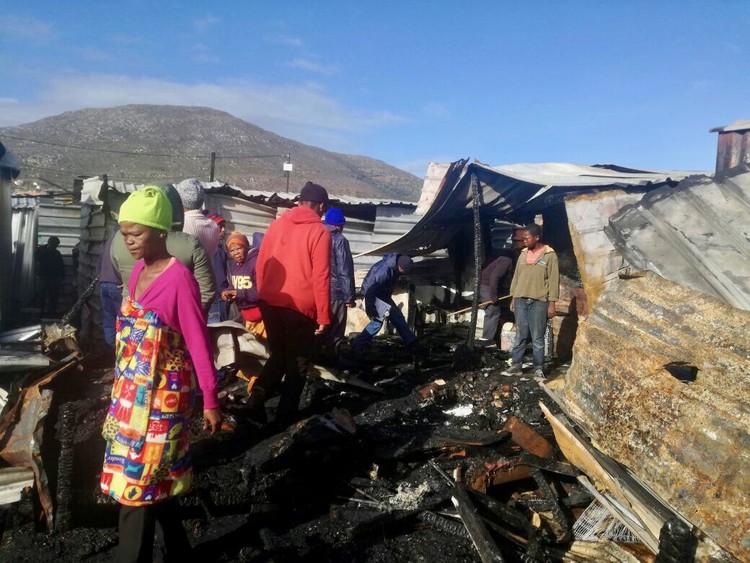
(627, 82)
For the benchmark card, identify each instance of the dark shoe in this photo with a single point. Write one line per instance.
(515, 369)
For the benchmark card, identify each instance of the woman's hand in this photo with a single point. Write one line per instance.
(229, 295)
(212, 420)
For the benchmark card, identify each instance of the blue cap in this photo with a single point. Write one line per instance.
(334, 217)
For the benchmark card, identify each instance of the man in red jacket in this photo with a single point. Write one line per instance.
(293, 276)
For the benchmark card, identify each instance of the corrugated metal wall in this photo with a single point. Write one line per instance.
(241, 215)
(24, 237)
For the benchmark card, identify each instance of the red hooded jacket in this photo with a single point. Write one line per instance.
(294, 265)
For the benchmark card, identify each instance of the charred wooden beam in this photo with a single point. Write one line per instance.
(480, 536)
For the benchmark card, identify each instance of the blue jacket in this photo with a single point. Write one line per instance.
(342, 268)
(380, 282)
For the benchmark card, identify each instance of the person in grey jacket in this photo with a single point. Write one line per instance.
(342, 279)
(186, 248)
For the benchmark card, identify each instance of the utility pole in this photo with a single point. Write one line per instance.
(288, 167)
(213, 167)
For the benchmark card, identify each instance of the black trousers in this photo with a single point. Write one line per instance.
(291, 339)
(138, 527)
(334, 334)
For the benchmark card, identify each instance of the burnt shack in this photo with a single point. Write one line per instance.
(634, 448)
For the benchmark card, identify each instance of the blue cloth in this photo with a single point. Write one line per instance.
(111, 295)
(334, 216)
(342, 268)
(531, 323)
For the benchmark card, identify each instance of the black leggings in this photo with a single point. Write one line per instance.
(139, 524)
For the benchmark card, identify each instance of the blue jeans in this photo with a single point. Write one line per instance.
(219, 310)
(399, 323)
(531, 321)
(111, 295)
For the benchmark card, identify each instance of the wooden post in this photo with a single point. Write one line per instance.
(477, 202)
(213, 167)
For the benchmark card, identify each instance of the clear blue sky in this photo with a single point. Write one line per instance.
(627, 82)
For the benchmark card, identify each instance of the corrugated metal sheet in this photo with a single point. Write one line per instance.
(24, 237)
(598, 260)
(508, 192)
(697, 235)
(241, 215)
(688, 442)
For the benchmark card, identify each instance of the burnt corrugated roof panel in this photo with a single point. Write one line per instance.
(697, 235)
(509, 190)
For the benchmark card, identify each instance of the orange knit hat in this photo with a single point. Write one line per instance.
(237, 237)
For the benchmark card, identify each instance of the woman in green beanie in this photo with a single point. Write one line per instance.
(162, 346)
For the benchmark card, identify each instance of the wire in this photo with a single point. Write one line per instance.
(110, 176)
(132, 153)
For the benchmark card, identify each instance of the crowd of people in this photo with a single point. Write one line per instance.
(171, 270)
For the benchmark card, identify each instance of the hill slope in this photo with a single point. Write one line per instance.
(149, 136)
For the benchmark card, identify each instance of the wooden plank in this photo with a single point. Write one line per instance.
(650, 513)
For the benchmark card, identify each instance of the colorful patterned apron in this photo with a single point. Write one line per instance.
(147, 458)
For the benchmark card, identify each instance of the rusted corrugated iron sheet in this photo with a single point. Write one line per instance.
(598, 260)
(697, 235)
(688, 442)
(21, 434)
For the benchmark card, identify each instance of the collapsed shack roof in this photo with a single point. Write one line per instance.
(510, 192)
(697, 235)
(660, 380)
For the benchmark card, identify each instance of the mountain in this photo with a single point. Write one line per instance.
(148, 143)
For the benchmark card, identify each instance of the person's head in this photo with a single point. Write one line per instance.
(404, 264)
(315, 197)
(238, 246)
(220, 222)
(53, 242)
(531, 234)
(335, 218)
(145, 218)
(191, 193)
(178, 215)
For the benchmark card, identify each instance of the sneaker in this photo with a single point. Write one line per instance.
(515, 369)
(538, 372)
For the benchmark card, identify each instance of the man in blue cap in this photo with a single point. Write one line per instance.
(342, 279)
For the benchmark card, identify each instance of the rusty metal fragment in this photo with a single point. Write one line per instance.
(689, 441)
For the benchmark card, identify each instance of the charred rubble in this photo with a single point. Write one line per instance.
(411, 455)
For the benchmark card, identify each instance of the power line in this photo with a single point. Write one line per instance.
(133, 153)
(110, 175)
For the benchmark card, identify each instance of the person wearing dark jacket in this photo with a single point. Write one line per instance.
(377, 288)
(342, 279)
(51, 273)
(243, 287)
(110, 291)
(220, 265)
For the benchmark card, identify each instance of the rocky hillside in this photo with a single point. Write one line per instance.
(142, 143)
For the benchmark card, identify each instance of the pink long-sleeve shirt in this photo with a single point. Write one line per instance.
(175, 297)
